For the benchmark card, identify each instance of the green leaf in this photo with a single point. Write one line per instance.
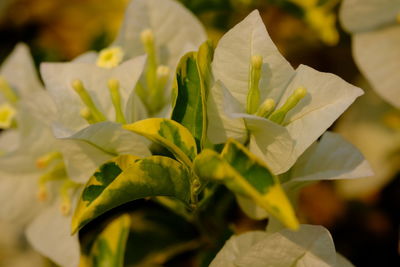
(243, 173)
(128, 178)
(109, 247)
(193, 79)
(170, 134)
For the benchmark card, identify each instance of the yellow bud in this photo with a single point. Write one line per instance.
(266, 108)
(113, 84)
(300, 92)
(147, 36)
(256, 61)
(398, 17)
(77, 85)
(162, 72)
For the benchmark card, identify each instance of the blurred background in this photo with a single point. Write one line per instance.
(363, 216)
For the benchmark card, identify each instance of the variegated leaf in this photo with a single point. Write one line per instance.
(246, 175)
(168, 133)
(192, 84)
(128, 178)
(109, 247)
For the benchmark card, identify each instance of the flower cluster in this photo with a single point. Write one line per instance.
(162, 112)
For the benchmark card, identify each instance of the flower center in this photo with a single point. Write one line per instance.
(267, 108)
(91, 112)
(110, 57)
(7, 116)
(151, 90)
(54, 167)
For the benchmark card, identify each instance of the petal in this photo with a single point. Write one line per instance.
(309, 246)
(328, 96)
(20, 72)
(9, 141)
(59, 76)
(173, 26)
(221, 126)
(233, 55)
(271, 142)
(50, 235)
(331, 158)
(377, 54)
(87, 149)
(18, 196)
(365, 15)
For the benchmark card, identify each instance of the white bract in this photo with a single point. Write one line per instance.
(375, 28)
(33, 181)
(18, 80)
(92, 103)
(309, 246)
(330, 158)
(259, 98)
(164, 30)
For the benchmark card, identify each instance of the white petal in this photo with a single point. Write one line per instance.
(9, 141)
(364, 15)
(220, 125)
(86, 150)
(50, 234)
(173, 26)
(233, 55)
(377, 54)
(342, 261)
(271, 142)
(88, 57)
(328, 96)
(331, 158)
(20, 72)
(309, 246)
(18, 196)
(59, 76)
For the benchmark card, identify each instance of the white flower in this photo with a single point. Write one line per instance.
(33, 180)
(330, 158)
(375, 28)
(164, 30)
(251, 74)
(309, 246)
(92, 102)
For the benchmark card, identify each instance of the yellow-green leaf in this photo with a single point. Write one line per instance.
(121, 181)
(193, 77)
(170, 134)
(109, 247)
(245, 174)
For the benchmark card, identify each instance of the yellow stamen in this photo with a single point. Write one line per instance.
(147, 38)
(65, 196)
(253, 95)
(45, 160)
(87, 100)
(113, 86)
(85, 113)
(7, 115)
(279, 115)
(156, 98)
(266, 108)
(110, 57)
